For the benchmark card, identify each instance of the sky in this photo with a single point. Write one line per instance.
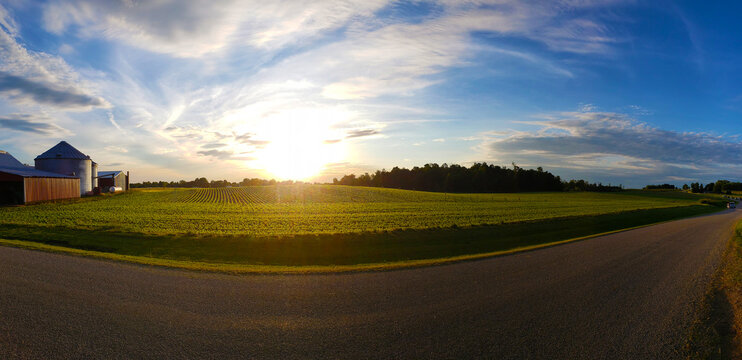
(620, 92)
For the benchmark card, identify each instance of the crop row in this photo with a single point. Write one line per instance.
(241, 195)
(277, 211)
(335, 194)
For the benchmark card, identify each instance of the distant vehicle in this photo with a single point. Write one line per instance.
(731, 205)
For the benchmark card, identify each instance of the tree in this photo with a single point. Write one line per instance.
(201, 182)
(660, 187)
(479, 178)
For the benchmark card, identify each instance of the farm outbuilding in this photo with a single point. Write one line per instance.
(117, 178)
(21, 184)
(64, 159)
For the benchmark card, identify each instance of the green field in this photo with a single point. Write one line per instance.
(331, 225)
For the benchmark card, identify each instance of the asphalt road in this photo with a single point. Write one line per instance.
(625, 296)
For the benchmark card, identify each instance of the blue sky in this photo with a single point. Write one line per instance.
(620, 92)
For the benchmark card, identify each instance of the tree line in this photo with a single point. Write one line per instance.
(202, 182)
(719, 187)
(479, 178)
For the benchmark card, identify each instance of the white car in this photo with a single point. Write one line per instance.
(731, 205)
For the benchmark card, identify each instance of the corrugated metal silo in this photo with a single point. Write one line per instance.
(94, 173)
(64, 159)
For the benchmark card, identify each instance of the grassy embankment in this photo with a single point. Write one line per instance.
(328, 228)
(718, 332)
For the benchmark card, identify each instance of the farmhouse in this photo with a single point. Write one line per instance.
(113, 179)
(21, 184)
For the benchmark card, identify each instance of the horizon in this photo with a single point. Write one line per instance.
(606, 91)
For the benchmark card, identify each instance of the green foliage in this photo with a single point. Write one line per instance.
(318, 209)
(370, 247)
(303, 224)
(660, 187)
(479, 178)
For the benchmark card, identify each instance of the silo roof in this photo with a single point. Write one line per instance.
(10, 165)
(63, 150)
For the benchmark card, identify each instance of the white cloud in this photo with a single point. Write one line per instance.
(615, 146)
(66, 49)
(38, 124)
(191, 28)
(402, 58)
(22, 90)
(587, 108)
(167, 117)
(113, 148)
(7, 23)
(30, 77)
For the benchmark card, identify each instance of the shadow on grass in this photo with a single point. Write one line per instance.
(344, 249)
(713, 335)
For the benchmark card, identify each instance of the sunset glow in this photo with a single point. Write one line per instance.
(298, 145)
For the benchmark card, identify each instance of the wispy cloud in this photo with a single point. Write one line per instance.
(19, 88)
(190, 28)
(361, 133)
(7, 23)
(32, 124)
(40, 78)
(189, 82)
(249, 139)
(220, 154)
(591, 143)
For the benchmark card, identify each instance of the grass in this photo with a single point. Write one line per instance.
(717, 334)
(328, 227)
(318, 209)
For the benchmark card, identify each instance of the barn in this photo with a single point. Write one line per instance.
(21, 184)
(64, 159)
(117, 178)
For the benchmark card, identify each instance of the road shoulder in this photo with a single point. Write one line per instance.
(717, 333)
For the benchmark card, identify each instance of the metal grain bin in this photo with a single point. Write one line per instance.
(94, 178)
(64, 159)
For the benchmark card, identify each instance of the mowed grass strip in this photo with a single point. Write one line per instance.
(331, 226)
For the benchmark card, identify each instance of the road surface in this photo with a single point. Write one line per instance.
(624, 296)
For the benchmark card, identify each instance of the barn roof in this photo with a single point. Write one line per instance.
(7, 160)
(63, 150)
(109, 173)
(10, 165)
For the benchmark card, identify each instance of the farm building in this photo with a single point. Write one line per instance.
(21, 184)
(64, 159)
(117, 179)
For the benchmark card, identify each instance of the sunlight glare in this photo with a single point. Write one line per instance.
(299, 148)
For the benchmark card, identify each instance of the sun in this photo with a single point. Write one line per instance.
(298, 150)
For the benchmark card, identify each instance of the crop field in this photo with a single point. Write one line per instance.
(317, 209)
(257, 224)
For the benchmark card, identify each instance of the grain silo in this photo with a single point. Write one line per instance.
(94, 173)
(64, 159)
